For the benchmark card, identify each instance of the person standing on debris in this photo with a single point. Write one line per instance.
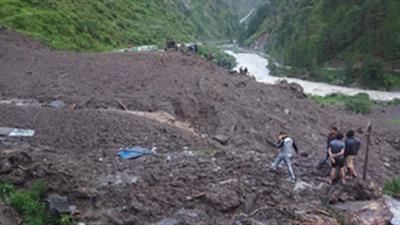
(352, 145)
(336, 155)
(287, 146)
(331, 136)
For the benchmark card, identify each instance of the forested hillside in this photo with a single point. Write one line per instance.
(361, 37)
(102, 25)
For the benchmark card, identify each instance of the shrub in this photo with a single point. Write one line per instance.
(29, 204)
(394, 102)
(359, 103)
(219, 56)
(392, 187)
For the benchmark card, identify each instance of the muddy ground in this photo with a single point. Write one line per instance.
(211, 130)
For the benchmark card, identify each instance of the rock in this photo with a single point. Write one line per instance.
(222, 139)
(374, 212)
(167, 221)
(248, 221)
(317, 217)
(5, 168)
(190, 216)
(204, 135)
(8, 215)
(223, 199)
(301, 185)
(58, 104)
(394, 206)
(356, 190)
(58, 203)
(287, 111)
(185, 216)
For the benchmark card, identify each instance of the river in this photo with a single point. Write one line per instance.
(256, 66)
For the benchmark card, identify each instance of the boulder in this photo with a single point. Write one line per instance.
(223, 199)
(373, 212)
(221, 138)
(58, 104)
(355, 190)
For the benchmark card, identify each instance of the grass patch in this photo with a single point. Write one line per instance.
(395, 121)
(206, 152)
(30, 205)
(394, 102)
(392, 187)
(359, 103)
(219, 57)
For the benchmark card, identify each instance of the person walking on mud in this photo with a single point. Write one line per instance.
(287, 147)
(336, 155)
(352, 145)
(331, 136)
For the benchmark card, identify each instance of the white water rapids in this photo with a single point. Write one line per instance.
(256, 66)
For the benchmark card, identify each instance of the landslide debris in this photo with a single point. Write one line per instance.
(217, 174)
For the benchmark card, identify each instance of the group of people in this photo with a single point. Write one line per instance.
(181, 47)
(243, 70)
(339, 152)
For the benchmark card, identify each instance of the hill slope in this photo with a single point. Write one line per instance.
(100, 25)
(193, 179)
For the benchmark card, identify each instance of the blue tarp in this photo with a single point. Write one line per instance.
(134, 152)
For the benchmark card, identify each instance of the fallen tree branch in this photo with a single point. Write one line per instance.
(122, 105)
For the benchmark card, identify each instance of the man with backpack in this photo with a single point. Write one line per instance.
(352, 145)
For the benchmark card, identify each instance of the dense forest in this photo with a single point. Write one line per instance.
(102, 25)
(345, 42)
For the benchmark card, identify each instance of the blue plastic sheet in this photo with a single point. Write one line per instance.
(134, 152)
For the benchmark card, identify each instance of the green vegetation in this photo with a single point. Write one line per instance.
(359, 38)
(103, 25)
(218, 56)
(392, 187)
(359, 103)
(395, 121)
(394, 102)
(29, 204)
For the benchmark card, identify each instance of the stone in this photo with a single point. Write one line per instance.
(167, 221)
(58, 203)
(58, 104)
(373, 212)
(223, 199)
(222, 139)
(315, 218)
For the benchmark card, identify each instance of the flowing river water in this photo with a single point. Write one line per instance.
(256, 66)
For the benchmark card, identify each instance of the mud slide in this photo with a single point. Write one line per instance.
(211, 129)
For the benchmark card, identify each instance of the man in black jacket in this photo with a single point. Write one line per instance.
(352, 145)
